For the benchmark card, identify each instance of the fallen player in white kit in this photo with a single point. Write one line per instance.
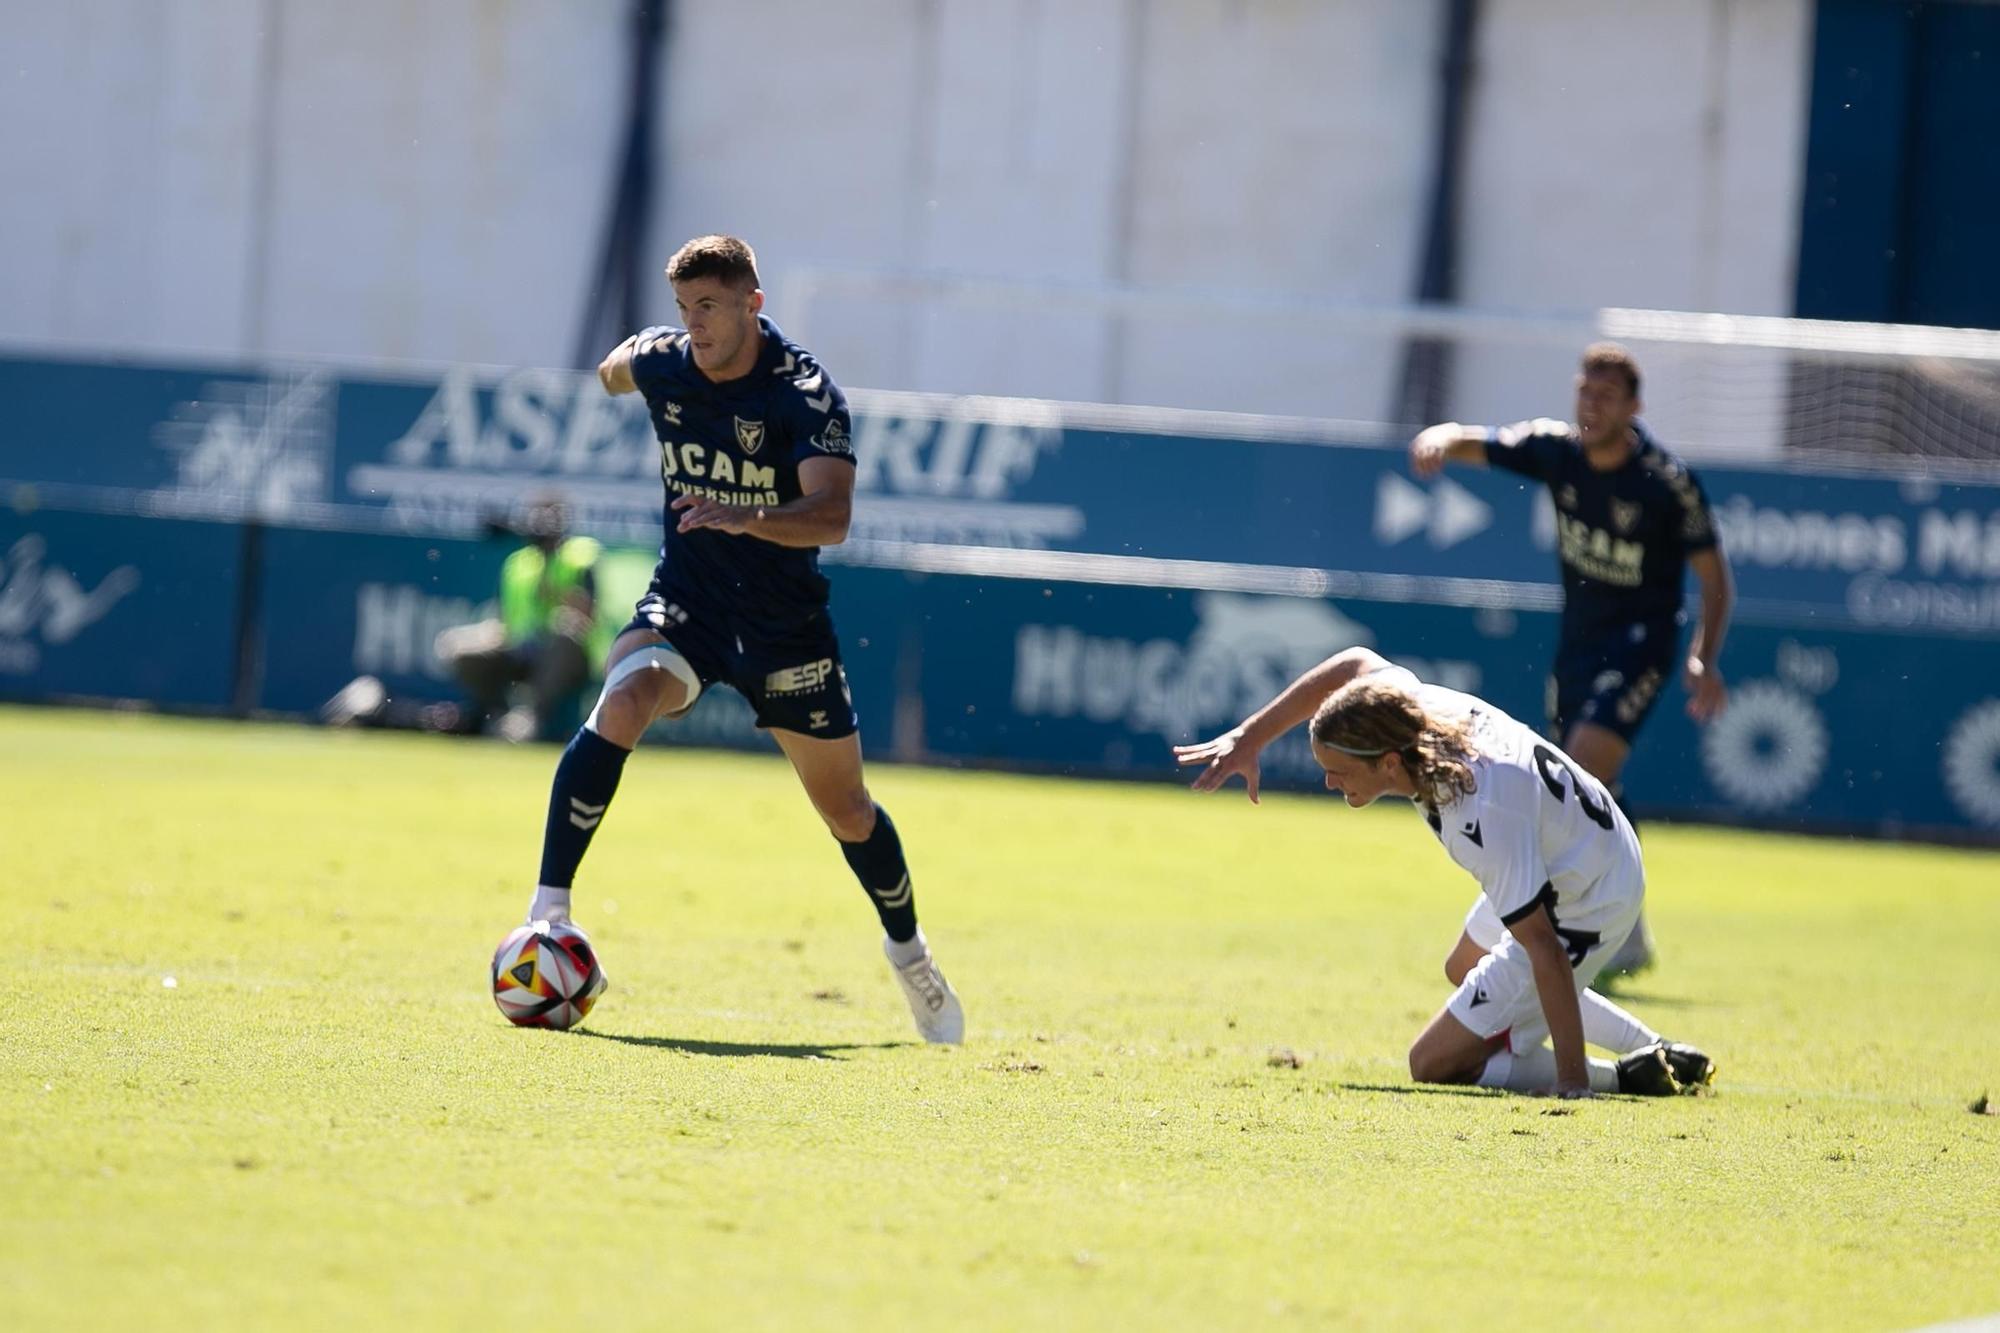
(1558, 867)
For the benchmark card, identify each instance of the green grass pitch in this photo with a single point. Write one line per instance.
(1182, 1104)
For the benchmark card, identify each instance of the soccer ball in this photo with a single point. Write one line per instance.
(545, 975)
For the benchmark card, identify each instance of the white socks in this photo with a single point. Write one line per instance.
(1611, 1028)
(908, 951)
(548, 904)
(1535, 1071)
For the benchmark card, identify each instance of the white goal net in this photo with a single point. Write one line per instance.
(1717, 386)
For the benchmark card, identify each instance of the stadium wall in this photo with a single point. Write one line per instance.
(1027, 583)
(384, 180)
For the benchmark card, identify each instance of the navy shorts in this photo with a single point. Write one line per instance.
(791, 675)
(1612, 681)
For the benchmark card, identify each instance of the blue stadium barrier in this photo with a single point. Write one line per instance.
(118, 607)
(1026, 584)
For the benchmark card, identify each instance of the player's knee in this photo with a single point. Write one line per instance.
(851, 818)
(627, 708)
(1422, 1066)
(1430, 1065)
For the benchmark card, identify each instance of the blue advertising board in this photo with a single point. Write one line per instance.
(1824, 728)
(103, 606)
(1865, 655)
(336, 605)
(436, 453)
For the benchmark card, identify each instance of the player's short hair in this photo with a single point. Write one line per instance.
(1612, 359)
(725, 257)
(1368, 714)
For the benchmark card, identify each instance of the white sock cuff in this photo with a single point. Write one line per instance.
(903, 953)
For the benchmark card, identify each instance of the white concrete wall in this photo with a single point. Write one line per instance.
(1630, 153)
(372, 178)
(383, 179)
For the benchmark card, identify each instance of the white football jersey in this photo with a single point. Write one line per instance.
(1538, 831)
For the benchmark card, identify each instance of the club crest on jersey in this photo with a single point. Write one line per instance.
(749, 435)
(1625, 514)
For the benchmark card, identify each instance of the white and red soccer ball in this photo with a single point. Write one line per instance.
(546, 975)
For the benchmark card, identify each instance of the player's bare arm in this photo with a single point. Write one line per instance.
(819, 517)
(614, 372)
(1447, 442)
(1555, 984)
(1236, 751)
(1707, 694)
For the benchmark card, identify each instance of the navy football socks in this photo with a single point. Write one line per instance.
(878, 864)
(586, 778)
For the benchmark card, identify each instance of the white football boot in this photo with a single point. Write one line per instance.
(933, 1003)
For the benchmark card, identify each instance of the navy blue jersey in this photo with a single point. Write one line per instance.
(1623, 536)
(741, 442)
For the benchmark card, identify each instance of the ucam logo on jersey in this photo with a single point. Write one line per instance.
(43, 604)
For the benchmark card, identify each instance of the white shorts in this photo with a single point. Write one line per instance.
(1498, 996)
(1482, 924)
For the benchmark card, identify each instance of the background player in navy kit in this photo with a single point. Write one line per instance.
(1630, 520)
(759, 472)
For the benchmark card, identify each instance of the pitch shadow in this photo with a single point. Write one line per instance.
(687, 1046)
(1422, 1089)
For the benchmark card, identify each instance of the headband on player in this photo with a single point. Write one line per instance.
(1357, 752)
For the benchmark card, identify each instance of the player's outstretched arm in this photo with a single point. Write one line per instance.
(1447, 442)
(1555, 984)
(614, 372)
(1707, 695)
(1235, 752)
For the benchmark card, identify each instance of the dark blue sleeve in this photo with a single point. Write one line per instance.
(654, 352)
(1530, 448)
(1697, 524)
(821, 427)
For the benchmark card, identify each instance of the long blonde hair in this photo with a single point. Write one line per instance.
(1370, 718)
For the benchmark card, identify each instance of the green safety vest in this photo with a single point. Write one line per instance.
(532, 585)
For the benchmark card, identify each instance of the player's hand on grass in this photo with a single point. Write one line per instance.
(1707, 695)
(700, 512)
(1574, 1092)
(1229, 754)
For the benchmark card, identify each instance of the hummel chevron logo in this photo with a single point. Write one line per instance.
(583, 815)
(1471, 832)
(787, 366)
(1479, 997)
(807, 383)
(896, 897)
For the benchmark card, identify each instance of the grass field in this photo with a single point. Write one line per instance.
(250, 1076)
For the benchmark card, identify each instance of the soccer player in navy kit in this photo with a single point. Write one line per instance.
(757, 459)
(1631, 519)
